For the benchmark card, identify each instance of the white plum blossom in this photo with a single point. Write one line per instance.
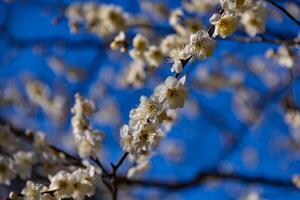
(119, 42)
(135, 75)
(177, 57)
(145, 137)
(146, 125)
(141, 138)
(51, 163)
(201, 6)
(34, 191)
(175, 17)
(172, 93)
(126, 138)
(88, 141)
(81, 185)
(171, 118)
(112, 19)
(143, 133)
(254, 20)
(140, 45)
(140, 167)
(24, 161)
(172, 42)
(292, 117)
(7, 170)
(283, 56)
(177, 67)
(62, 184)
(39, 141)
(39, 94)
(102, 19)
(149, 109)
(236, 6)
(154, 56)
(8, 141)
(183, 26)
(77, 184)
(224, 25)
(201, 45)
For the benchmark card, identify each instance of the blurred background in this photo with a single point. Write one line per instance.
(235, 118)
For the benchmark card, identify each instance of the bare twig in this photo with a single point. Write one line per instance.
(114, 175)
(284, 11)
(204, 177)
(261, 40)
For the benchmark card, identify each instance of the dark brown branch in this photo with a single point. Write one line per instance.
(210, 31)
(29, 137)
(97, 161)
(205, 177)
(120, 162)
(261, 40)
(114, 177)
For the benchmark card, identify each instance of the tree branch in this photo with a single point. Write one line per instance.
(205, 177)
(261, 40)
(284, 11)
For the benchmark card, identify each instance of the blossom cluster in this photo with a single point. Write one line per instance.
(15, 160)
(292, 118)
(144, 130)
(18, 160)
(39, 94)
(251, 13)
(201, 45)
(66, 180)
(145, 57)
(49, 162)
(183, 25)
(87, 140)
(76, 185)
(101, 19)
(150, 121)
(283, 56)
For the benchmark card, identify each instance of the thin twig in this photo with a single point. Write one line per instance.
(284, 11)
(205, 177)
(114, 177)
(98, 162)
(119, 163)
(261, 40)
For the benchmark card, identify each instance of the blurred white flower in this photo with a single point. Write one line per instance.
(283, 56)
(119, 42)
(254, 20)
(7, 170)
(135, 75)
(154, 56)
(140, 45)
(33, 191)
(87, 140)
(24, 161)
